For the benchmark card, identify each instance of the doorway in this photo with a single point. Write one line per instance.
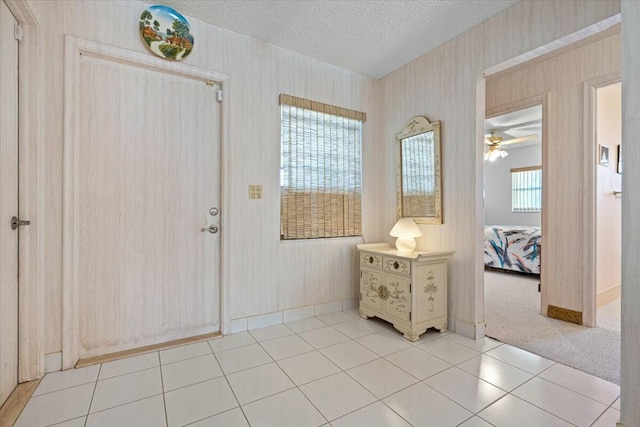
(608, 204)
(141, 262)
(512, 219)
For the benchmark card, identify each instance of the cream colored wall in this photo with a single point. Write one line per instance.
(608, 206)
(264, 274)
(561, 77)
(443, 86)
(629, 372)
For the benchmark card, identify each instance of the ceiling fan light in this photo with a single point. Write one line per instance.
(503, 154)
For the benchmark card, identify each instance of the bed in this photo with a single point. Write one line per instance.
(512, 248)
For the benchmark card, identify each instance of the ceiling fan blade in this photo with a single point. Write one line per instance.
(521, 139)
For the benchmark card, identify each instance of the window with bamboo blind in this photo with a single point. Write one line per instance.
(320, 175)
(526, 189)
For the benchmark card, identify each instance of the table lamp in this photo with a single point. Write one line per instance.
(405, 230)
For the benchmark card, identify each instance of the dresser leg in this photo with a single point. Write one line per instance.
(413, 335)
(362, 314)
(442, 328)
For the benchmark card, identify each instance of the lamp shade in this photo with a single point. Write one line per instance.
(405, 230)
(405, 227)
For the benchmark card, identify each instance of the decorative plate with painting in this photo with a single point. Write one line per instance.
(166, 32)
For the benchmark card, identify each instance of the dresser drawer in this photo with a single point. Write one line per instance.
(370, 260)
(396, 265)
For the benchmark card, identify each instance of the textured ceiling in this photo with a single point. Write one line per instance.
(369, 37)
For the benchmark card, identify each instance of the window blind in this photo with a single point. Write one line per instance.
(526, 189)
(320, 174)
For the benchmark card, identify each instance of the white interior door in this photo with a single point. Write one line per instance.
(146, 176)
(8, 203)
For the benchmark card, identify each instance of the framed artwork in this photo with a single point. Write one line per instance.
(166, 32)
(619, 168)
(603, 158)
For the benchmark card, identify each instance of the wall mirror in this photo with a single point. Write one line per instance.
(419, 181)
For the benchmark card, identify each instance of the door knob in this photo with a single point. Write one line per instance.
(15, 222)
(212, 229)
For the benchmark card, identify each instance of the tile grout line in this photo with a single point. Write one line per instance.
(93, 395)
(164, 400)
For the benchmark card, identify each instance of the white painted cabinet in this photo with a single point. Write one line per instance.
(408, 290)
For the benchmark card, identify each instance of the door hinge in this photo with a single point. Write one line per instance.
(409, 287)
(219, 95)
(409, 316)
(18, 32)
(361, 274)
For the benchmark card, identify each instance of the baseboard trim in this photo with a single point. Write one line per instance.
(12, 408)
(466, 329)
(52, 362)
(298, 313)
(146, 349)
(605, 297)
(564, 314)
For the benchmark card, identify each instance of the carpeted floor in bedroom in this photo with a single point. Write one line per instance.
(512, 316)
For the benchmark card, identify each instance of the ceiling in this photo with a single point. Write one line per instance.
(366, 36)
(516, 124)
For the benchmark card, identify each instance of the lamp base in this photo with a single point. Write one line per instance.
(405, 244)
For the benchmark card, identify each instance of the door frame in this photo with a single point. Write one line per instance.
(589, 203)
(31, 308)
(545, 101)
(74, 48)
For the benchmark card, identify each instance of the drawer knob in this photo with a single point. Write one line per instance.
(383, 292)
(370, 260)
(396, 265)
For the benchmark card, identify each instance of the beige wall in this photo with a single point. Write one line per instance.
(608, 206)
(443, 85)
(264, 274)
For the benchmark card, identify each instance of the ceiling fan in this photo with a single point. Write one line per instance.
(495, 143)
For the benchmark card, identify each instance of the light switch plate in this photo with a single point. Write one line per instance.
(255, 191)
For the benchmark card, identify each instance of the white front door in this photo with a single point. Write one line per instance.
(147, 167)
(8, 203)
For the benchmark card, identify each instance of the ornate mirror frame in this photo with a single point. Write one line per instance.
(416, 126)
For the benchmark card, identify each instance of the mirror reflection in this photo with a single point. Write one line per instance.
(419, 181)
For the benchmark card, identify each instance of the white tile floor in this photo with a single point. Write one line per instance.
(332, 370)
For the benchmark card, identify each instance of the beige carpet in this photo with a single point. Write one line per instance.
(511, 313)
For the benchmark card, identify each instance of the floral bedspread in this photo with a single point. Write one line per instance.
(512, 248)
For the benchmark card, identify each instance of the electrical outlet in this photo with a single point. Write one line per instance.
(255, 191)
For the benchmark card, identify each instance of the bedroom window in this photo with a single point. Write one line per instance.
(526, 189)
(320, 172)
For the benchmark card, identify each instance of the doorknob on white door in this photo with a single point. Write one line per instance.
(15, 222)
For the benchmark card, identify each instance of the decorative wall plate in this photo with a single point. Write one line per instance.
(166, 32)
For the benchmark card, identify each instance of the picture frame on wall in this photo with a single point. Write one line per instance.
(603, 156)
(619, 167)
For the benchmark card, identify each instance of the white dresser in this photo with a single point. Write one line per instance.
(407, 289)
